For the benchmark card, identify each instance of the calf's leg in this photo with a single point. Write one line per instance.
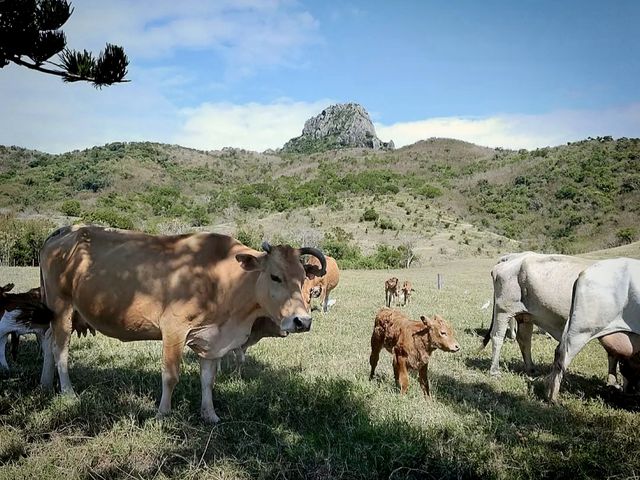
(376, 346)
(424, 379)
(400, 373)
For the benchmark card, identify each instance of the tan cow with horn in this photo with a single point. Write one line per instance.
(202, 290)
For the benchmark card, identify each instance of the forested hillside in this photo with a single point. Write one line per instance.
(572, 198)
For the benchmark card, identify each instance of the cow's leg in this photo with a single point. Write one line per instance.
(523, 336)
(15, 344)
(48, 365)
(172, 348)
(567, 349)
(498, 330)
(400, 373)
(612, 379)
(3, 345)
(387, 298)
(324, 301)
(376, 346)
(208, 373)
(512, 331)
(61, 330)
(424, 379)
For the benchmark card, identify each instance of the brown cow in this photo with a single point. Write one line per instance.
(625, 347)
(411, 344)
(203, 290)
(322, 286)
(406, 291)
(390, 291)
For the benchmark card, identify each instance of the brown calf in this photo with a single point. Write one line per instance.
(406, 291)
(411, 344)
(391, 291)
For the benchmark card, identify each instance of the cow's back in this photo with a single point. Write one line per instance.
(546, 283)
(123, 282)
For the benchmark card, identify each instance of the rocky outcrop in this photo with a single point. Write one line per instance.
(338, 126)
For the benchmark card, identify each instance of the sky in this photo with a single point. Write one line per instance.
(248, 73)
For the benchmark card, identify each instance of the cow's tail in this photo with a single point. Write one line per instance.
(487, 336)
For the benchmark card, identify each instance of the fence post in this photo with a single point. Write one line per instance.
(440, 281)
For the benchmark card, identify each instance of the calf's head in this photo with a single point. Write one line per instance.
(438, 334)
(279, 287)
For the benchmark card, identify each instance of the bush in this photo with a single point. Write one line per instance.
(21, 240)
(110, 218)
(370, 215)
(386, 224)
(626, 235)
(71, 208)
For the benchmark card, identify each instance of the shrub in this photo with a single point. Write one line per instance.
(370, 215)
(110, 218)
(626, 235)
(71, 208)
(386, 224)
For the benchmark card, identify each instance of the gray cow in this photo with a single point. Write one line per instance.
(606, 299)
(535, 289)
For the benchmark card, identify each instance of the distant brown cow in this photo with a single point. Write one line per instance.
(391, 291)
(322, 286)
(406, 291)
(625, 347)
(411, 344)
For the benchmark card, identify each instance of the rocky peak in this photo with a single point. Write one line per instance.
(338, 126)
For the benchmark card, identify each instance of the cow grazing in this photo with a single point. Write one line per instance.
(411, 344)
(606, 299)
(391, 291)
(202, 290)
(406, 291)
(20, 314)
(534, 289)
(322, 286)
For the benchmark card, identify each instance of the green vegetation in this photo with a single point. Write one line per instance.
(571, 198)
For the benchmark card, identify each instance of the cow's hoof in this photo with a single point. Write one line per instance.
(209, 417)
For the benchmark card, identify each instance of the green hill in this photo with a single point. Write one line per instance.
(440, 198)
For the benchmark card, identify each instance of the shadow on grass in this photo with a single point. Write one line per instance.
(277, 423)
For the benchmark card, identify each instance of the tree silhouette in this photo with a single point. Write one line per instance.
(30, 35)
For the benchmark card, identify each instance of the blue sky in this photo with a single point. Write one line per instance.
(247, 73)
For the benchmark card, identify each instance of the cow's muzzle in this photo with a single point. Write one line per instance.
(301, 324)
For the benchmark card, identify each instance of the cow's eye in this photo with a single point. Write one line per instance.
(444, 334)
(275, 278)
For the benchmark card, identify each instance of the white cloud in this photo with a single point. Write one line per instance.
(248, 34)
(520, 131)
(253, 126)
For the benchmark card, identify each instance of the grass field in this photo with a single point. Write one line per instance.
(304, 407)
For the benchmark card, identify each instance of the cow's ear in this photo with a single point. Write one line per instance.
(312, 271)
(248, 262)
(7, 288)
(424, 319)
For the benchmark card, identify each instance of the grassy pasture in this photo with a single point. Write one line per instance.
(304, 407)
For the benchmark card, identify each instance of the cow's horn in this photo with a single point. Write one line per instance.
(266, 247)
(319, 255)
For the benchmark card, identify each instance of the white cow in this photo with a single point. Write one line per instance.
(535, 289)
(606, 299)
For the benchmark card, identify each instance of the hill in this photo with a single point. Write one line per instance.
(439, 198)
